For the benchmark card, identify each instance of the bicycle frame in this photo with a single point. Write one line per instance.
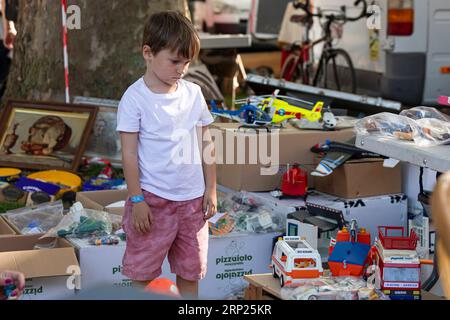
(304, 59)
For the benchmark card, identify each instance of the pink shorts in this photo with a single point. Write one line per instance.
(178, 231)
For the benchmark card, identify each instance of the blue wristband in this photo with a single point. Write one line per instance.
(137, 199)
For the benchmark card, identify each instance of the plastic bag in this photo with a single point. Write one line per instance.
(37, 219)
(417, 113)
(81, 223)
(425, 126)
(327, 288)
(246, 215)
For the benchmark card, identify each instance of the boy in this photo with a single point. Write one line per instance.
(170, 198)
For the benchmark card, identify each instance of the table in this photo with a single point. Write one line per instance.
(220, 41)
(266, 287)
(436, 158)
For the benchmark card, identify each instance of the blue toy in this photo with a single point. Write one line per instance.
(8, 290)
(248, 115)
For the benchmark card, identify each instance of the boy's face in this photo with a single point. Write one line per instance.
(166, 66)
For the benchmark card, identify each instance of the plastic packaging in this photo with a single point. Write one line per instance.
(424, 125)
(330, 288)
(244, 214)
(40, 218)
(81, 223)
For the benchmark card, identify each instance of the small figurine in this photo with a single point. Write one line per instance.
(108, 240)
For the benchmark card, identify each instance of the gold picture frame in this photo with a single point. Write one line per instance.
(44, 135)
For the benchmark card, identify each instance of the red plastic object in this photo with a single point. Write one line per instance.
(397, 242)
(294, 182)
(163, 286)
(444, 101)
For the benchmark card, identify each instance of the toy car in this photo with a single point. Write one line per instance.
(294, 259)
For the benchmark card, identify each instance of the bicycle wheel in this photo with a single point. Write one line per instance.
(292, 73)
(337, 73)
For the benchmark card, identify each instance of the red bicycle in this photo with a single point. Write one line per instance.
(335, 69)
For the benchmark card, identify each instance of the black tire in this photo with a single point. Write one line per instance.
(297, 75)
(338, 72)
(313, 297)
(282, 281)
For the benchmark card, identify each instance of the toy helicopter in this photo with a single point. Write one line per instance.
(248, 115)
(273, 110)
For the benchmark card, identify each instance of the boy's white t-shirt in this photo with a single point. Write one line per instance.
(168, 147)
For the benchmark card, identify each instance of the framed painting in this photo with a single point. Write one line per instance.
(104, 140)
(45, 135)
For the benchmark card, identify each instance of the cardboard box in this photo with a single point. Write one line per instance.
(99, 200)
(5, 229)
(49, 272)
(254, 160)
(369, 212)
(361, 178)
(229, 259)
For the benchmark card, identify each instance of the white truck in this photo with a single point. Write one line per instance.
(408, 58)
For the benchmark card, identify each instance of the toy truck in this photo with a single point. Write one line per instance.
(397, 264)
(294, 259)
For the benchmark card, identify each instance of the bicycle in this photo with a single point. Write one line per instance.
(298, 66)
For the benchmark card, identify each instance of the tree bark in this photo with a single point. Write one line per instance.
(104, 55)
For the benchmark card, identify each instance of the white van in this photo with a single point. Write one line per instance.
(293, 259)
(408, 59)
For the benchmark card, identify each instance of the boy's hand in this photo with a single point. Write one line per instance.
(210, 203)
(12, 278)
(142, 217)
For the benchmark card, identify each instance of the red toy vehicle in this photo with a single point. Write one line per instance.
(397, 264)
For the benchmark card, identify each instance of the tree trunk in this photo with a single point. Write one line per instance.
(105, 54)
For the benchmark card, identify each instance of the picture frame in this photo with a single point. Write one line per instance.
(44, 135)
(104, 141)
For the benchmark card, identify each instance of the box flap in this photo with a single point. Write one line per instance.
(5, 228)
(293, 144)
(102, 198)
(16, 253)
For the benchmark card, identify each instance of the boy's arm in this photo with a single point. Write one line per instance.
(209, 170)
(130, 162)
(142, 215)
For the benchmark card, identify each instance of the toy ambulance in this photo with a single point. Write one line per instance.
(294, 259)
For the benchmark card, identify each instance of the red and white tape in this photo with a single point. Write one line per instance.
(66, 56)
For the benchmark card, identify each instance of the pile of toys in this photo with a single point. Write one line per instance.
(425, 126)
(388, 268)
(276, 110)
(101, 227)
(240, 213)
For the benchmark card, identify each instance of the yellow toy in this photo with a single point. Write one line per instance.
(281, 111)
(68, 181)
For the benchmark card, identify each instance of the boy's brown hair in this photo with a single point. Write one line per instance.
(171, 30)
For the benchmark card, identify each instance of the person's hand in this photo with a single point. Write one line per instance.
(210, 203)
(12, 278)
(142, 217)
(9, 36)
